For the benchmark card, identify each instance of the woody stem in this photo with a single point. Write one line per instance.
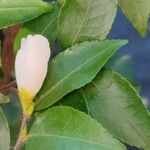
(21, 138)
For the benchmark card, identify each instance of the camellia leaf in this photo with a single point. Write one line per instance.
(137, 12)
(17, 11)
(4, 132)
(3, 98)
(74, 68)
(64, 128)
(45, 25)
(82, 20)
(13, 113)
(113, 102)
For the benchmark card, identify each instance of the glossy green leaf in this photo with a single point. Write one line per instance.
(76, 101)
(64, 128)
(113, 102)
(3, 98)
(74, 68)
(45, 25)
(4, 132)
(13, 113)
(137, 12)
(17, 11)
(82, 20)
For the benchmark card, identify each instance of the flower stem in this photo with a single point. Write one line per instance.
(23, 133)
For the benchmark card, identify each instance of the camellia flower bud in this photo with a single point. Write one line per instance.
(31, 68)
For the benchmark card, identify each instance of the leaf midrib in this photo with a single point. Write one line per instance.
(82, 22)
(58, 83)
(47, 26)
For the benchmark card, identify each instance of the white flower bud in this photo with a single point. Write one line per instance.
(31, 63)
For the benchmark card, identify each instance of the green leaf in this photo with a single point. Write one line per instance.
(4, 132)
(113, 102)
(45, 25)
(74, 68)
(64, 128)
(3, 98)
(17, 11)
(137, 12)
(82, 20)
(76, 101)
(13, 113)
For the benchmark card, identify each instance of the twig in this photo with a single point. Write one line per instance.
(21, 140)
(6, 84)
(7, 51)
(9, 85)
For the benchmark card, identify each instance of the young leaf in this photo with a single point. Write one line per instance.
(4, 132)
(74, 68)
(137, 12)
(3, 98)
(45, 25)
(113, 102)
(82, 20)
(64, 128)
(17, 11)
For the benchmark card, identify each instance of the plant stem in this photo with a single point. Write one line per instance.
(21, 139)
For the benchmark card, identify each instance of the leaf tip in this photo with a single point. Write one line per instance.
(124, 42)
